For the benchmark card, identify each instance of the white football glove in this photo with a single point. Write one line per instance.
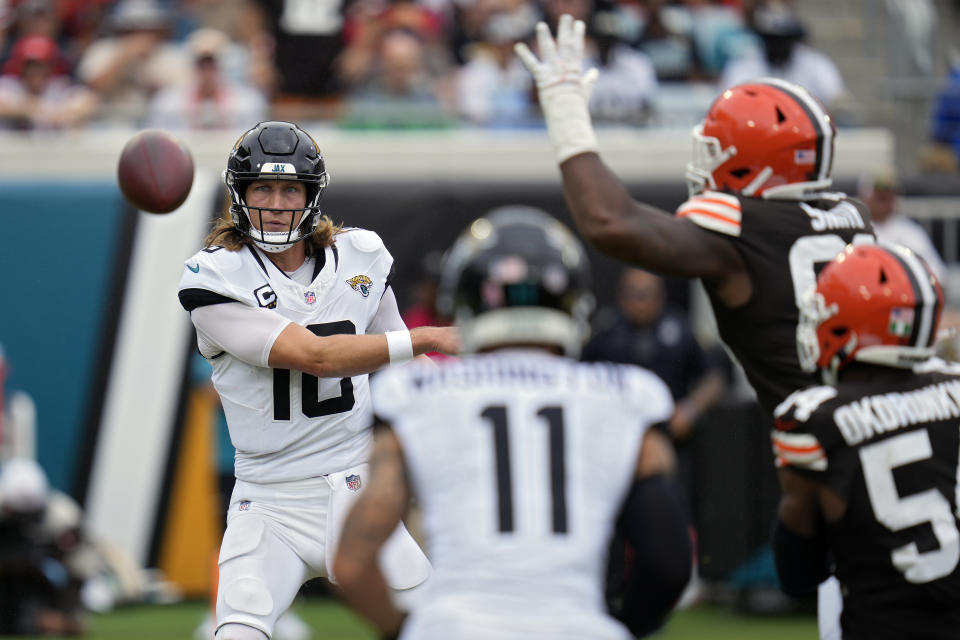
(563, 86)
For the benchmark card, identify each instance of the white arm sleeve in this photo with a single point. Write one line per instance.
(387, 317)
(247, 333)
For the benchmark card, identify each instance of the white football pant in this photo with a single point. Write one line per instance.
(829, 608)
(282, 534)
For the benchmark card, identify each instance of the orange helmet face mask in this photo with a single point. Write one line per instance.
(768, 138)
(874, 304)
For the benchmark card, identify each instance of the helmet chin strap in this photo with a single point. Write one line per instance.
(275, 248)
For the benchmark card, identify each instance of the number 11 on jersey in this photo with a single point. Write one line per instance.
(553, 416)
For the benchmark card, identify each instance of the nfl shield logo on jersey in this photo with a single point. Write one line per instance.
(244, 505)
(310, 297)
(353, 482)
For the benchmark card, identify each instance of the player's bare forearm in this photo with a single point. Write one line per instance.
(599, 202)
(341, 356)
(643, 235)
(337, 356)
(364, 589)
(799, 504)
(345, 357)
(369, 524)
(800, 547)
(389, 490)
(657, 455)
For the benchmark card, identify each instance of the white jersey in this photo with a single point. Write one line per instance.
(288, 425)
(521, 461)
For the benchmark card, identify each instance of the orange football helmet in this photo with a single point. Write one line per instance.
(873, 303)
(769, 138)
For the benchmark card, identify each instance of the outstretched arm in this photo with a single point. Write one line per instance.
(263, 338)
(368, 354)
(637, 233)
(374, 516)
(347, 355)
(603, 210)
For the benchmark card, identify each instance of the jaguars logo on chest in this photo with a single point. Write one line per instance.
(361, 284)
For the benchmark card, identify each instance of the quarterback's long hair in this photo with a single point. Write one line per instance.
(225, 234)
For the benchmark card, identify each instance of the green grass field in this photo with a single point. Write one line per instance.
(331, 621)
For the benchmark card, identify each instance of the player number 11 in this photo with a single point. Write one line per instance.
(553, 416)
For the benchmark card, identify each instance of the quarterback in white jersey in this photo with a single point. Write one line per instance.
(293, 313)
(521, 458)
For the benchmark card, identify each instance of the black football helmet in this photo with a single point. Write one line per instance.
(517, 276)
(281, 151)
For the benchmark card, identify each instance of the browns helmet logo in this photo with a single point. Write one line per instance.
(361, 283)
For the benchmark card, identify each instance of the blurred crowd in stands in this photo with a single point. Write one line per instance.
(198, 64)
(410, 64)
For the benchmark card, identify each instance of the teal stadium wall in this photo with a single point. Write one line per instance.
(63, 251)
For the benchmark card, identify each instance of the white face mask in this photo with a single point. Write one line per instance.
(813, 312)
(277, 241)
(708, 154)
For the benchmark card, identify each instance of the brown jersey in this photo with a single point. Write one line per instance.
(784, 244)
(889, 447)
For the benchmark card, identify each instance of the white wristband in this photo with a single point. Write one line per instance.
(400, 346)
(568, 121)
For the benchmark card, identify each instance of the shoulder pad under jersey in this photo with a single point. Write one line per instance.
(363, 239)
(720, 212)
(203, 281)
(794, 442)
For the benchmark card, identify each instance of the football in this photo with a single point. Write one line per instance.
(155, 171)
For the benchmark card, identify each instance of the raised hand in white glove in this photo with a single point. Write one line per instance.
(563, 86)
